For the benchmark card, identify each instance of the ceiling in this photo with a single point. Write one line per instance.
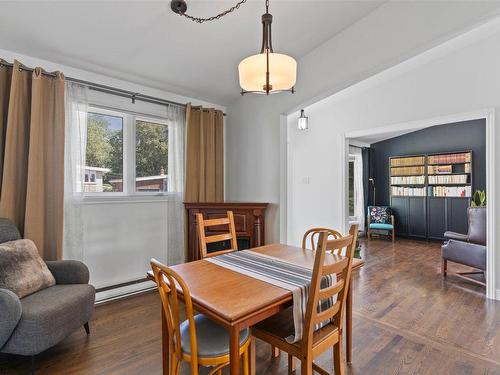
(378, 137)
(144, 42)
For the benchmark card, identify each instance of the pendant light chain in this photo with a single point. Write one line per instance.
(218, 16)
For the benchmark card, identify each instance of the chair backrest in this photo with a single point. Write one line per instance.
(379, 214)
(169, 285)
(477, 225)
(204, 239)
(313, 235)
(8, 231)
(340, 266)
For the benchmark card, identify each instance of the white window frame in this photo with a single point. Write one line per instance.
(128, 158)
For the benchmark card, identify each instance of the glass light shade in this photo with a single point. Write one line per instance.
(302, 124)
(282, 72)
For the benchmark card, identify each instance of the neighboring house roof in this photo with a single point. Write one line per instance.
(147, 178)
(97, 169)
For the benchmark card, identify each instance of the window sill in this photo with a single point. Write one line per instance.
(126, 199)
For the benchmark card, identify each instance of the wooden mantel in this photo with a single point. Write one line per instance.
(248, 219)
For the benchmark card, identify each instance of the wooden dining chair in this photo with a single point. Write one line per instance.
(276, 329)
(313, 235)
(204, 239)
(197, 339)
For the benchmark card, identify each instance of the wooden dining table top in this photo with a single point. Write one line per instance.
(234, 296)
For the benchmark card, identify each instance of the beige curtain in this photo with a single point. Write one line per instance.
(204, 155)
(32, 155)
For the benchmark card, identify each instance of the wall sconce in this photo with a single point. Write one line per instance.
(303, 121)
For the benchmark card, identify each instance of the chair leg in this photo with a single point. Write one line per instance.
(292, 364)
(444, 267)
(393, 235)
(33, 365)
(275, 352)
(306, 366)
(338, 358)
(369, 234)
(246, 363)
(87, 328)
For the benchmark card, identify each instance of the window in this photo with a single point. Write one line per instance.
(351, 188)
(126, 154)
(151, 156)
(104, 154)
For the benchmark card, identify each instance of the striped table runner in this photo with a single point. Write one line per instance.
(283, 274)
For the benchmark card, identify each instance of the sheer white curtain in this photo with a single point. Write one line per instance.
(76, 102)
(176, 116)
(359, 203)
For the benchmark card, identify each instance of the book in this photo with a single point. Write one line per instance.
(407, 161)
(407, 171)
(450, 179)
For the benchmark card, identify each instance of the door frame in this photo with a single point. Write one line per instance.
(488, 115)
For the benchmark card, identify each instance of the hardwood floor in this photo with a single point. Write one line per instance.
(407, 320)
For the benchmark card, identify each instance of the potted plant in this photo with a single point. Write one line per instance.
(478, 199)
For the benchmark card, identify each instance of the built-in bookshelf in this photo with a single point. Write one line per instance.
(435, 175)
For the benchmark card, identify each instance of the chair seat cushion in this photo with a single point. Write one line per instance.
(49, 316)
(381, 226)
(212, 339)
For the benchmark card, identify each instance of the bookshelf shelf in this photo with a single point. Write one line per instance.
(447, 174)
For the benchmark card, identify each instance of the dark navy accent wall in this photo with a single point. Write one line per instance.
(460, 136)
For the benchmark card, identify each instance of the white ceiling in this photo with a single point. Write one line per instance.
(144, 42)
(378, 137)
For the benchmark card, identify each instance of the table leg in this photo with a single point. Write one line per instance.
(252, 356)
(348, 325)
(164, 343)
(234, 350)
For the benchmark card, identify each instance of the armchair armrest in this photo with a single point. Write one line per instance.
(456, 236)
(10, 307)
(69, 271)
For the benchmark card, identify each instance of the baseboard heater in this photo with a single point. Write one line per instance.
(123, 290)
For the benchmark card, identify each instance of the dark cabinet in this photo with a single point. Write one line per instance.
(417, 223)
(457, 220)
(436, 218)
(400, 211)
(410, 216)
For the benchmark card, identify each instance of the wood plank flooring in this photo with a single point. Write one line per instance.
(407, 320)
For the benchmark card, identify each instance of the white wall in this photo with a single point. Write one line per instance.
(460, 76)
(120, 235)
(391, 34)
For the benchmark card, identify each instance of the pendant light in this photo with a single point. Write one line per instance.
(303, 123)
(267, 72)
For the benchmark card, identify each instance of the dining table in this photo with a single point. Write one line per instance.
(237, 301)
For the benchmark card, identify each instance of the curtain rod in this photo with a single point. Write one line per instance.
(109, 89)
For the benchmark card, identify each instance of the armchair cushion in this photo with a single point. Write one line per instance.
(379, 214)
(22, 270)
(8, 231)
(467, 253)
(69, 271)
(49, 316)
(10, 307)
(381, 226)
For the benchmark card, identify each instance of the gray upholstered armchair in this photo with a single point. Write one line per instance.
(40, 320)
(468, 249)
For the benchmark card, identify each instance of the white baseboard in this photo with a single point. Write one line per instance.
(126, 291)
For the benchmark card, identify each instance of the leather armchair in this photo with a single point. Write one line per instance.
(34, 323)
(467, 249)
